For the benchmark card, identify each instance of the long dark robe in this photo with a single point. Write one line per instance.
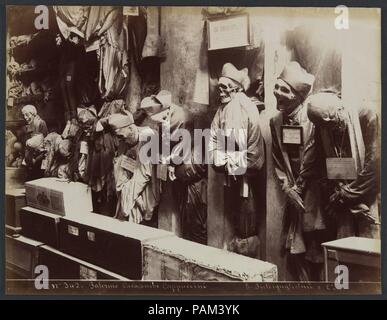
(361, 194)
(301, 232)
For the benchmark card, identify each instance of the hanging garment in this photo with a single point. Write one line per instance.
(114, 61)
(152, 45)
(100, 19)
(106, 24)
(100, 169)
(72, 19)
(87, 79)
(192, 179)
(137, 28)
(69, 64)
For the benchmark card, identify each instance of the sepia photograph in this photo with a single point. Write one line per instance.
(178, 150)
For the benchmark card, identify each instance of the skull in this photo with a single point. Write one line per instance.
(327, 110)
(227, 89)
(287, 100)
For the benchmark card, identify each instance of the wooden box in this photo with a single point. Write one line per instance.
(360, 255)
(59, 196)
(22, 256)
(107, 242)
(64, 266)
(15, 199)
(179, 259)
(40, 225)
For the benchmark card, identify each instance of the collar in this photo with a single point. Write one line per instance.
(294, 117)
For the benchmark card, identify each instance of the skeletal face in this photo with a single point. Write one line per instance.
(227, 89)
(334, 118)
(287, 100)
(28, 116)
(129, 134)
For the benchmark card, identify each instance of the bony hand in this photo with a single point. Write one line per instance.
(171, 173)
(231, 169)
(335, 200)
(58, 40)
(295, 199)
(337, 196)
(220, 158)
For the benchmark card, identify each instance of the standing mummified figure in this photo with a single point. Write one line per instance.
(167, 119)
(303, 224)
(349, 154)
(236, 148)
(35, 131)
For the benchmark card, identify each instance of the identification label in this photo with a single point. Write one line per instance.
(131, 11)
(162, 172)
(128, 163)
(73, 230)
(91, 236)
(43, 166)
(292, 135)
(341, 168)
(87, 274)
(84, 148)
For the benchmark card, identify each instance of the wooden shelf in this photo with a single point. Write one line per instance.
(11, 102)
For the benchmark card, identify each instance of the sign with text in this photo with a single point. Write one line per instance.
(130, 11)
(341, 168)
(228, 32)
(292, 135)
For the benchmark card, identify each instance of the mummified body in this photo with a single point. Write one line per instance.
(237, 119)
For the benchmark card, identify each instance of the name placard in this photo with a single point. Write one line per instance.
(341, 168)
(162, 172)
(128, 163)
(130, 11)
(292, 135)
(228, 32)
